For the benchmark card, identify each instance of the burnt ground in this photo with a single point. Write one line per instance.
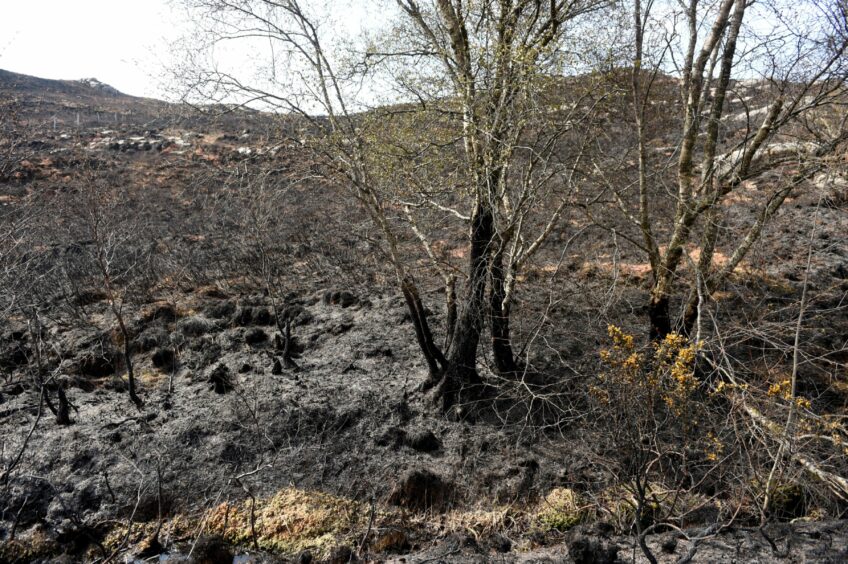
(226, 420)
(348, 421)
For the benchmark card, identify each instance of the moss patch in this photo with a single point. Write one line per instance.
(28, 547)
(560, 510)
(291, 521)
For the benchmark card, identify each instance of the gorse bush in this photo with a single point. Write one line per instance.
(657, 385)
(700, 437)
(662, 433)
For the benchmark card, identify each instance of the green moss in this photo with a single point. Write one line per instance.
(560, 510)
(291, 521)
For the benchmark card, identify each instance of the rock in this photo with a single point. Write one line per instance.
(422, 490)
(304, 557)
(164, 359)
(255, 336)
(423, 440)
(220, 380)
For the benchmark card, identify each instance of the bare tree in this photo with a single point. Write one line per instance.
(796, 76)
(501, 65)
(480, 68)
(103, 227)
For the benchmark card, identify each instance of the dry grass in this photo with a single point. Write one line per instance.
(294, 520)
(291, 521)
(35, 545)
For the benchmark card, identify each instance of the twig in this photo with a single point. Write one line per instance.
(4, 479)
(364, 540)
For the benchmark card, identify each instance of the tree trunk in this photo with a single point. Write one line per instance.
(284, 342)
(435, 359)
(46, 397)
(499, 319)
(130, 372)
(450, 307)
(127, 356)
(658, 313)
(460, 381)
(62, 415)
(690, 316)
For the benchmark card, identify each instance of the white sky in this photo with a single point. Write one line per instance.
(120, 42)
(124, 43)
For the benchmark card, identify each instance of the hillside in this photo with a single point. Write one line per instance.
(285, 412)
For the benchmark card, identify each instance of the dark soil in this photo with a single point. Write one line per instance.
(231, 412)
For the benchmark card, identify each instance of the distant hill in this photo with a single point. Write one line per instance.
(89, 103)
(11, 82)
(84, 103)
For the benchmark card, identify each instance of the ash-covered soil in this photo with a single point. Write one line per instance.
(219, 401)
(338, 447)
(224, 418)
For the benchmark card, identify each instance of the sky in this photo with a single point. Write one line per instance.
(119, 42)
(123, 43)
(126, 43)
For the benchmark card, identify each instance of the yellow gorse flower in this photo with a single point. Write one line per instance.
(669, 376)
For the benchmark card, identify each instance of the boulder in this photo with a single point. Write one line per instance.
(255, 336)
(422, 490)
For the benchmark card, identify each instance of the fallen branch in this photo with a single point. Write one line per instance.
(836, 483)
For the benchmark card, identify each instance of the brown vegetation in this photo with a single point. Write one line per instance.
(534, 307)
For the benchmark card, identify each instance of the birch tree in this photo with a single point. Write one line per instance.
(795, 75)
(484, 61)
